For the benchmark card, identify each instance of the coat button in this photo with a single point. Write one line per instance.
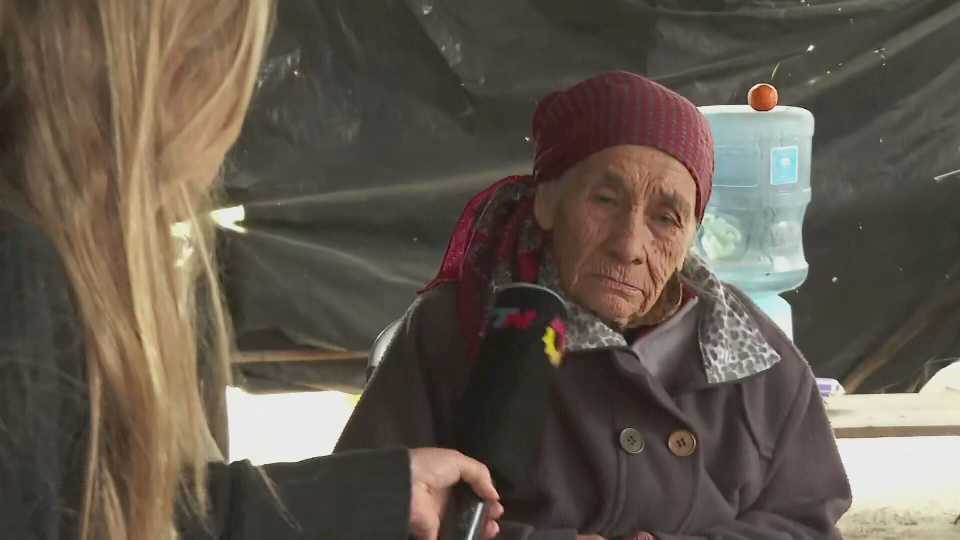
(682, 443)
(631, 441)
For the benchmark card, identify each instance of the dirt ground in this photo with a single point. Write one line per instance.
(898, 524)
(903, 488)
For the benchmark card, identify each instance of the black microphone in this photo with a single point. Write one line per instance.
(501, 417)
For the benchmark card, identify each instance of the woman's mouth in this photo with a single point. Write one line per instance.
(617, 284)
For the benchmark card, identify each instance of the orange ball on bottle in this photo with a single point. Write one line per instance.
(763, 97)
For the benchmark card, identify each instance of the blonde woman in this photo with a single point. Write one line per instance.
(115, 116)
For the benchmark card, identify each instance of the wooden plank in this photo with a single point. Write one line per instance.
(895, 415)
(301, 355)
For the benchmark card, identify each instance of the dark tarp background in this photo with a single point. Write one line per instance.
(376, 120)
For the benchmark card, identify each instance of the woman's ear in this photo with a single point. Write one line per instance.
(546, 203)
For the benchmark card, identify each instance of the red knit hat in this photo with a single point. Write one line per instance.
(618, 108)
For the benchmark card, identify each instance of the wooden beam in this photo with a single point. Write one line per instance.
(300, 355)
(895, 415)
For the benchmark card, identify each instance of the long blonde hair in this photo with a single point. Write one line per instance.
(118, 114)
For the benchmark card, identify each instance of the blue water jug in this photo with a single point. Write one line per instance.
(752, 233)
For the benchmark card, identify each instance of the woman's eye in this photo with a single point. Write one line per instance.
(604, 198)
(668, 219)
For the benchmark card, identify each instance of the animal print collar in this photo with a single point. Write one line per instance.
(731, 344)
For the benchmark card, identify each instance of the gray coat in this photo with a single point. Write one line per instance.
(763, 463)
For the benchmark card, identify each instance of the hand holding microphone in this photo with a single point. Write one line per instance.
(432, 473)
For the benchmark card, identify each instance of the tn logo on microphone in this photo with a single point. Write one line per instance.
(517, 318)
(522, 319)
(553, 341)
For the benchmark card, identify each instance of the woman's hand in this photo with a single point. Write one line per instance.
(433, 471)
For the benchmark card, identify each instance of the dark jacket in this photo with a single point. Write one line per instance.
(44, 419)
(765, 465)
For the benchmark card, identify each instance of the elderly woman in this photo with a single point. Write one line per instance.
(680, 411)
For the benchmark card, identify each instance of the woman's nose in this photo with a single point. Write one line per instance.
(629, 237)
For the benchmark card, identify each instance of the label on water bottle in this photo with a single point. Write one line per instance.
(784, 165)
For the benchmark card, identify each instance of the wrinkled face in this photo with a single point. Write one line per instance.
(622, 220)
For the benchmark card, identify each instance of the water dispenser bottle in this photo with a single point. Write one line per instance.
(752, 232)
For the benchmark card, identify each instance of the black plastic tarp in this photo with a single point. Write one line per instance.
(375, 121)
